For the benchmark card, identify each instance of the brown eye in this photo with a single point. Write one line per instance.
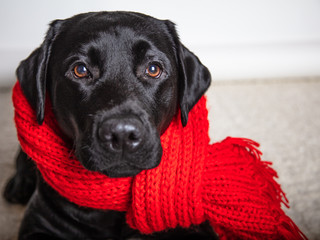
(153, 71)
(80, 71)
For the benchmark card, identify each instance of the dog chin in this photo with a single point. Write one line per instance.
(120, 172)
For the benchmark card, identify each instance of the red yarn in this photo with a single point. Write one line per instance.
(225, 183)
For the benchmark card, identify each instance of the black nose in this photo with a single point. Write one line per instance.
(121, 134)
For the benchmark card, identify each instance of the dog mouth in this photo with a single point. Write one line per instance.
(119, 166)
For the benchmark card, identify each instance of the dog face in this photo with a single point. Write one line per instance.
(115, 81)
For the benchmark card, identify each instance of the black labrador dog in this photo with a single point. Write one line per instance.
(115, 80)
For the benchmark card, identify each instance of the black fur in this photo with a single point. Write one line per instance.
(113, 116)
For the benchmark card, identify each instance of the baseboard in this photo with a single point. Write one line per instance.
(265, 61)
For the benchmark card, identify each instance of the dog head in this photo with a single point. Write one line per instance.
(115, 80)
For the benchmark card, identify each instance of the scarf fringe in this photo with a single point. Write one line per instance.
(276, 224)
(289, 230)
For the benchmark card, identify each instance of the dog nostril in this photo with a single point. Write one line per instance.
(134, 132)
(133, 137)
(133, 140)
(114, 140)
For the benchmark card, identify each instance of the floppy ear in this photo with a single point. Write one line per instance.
(194, 77)
(194, 81)
(32, 72)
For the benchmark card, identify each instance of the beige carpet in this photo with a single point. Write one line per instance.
(282, 114)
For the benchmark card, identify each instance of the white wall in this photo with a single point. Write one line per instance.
(235, 39)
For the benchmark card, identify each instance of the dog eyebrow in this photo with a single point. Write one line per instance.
(90, 54)
(140, 49)
(94, 56)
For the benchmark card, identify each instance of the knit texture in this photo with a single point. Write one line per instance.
(226, 183)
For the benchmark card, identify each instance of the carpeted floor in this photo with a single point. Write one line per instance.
(282, 114)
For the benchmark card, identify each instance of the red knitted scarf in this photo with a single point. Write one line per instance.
(225, 183)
